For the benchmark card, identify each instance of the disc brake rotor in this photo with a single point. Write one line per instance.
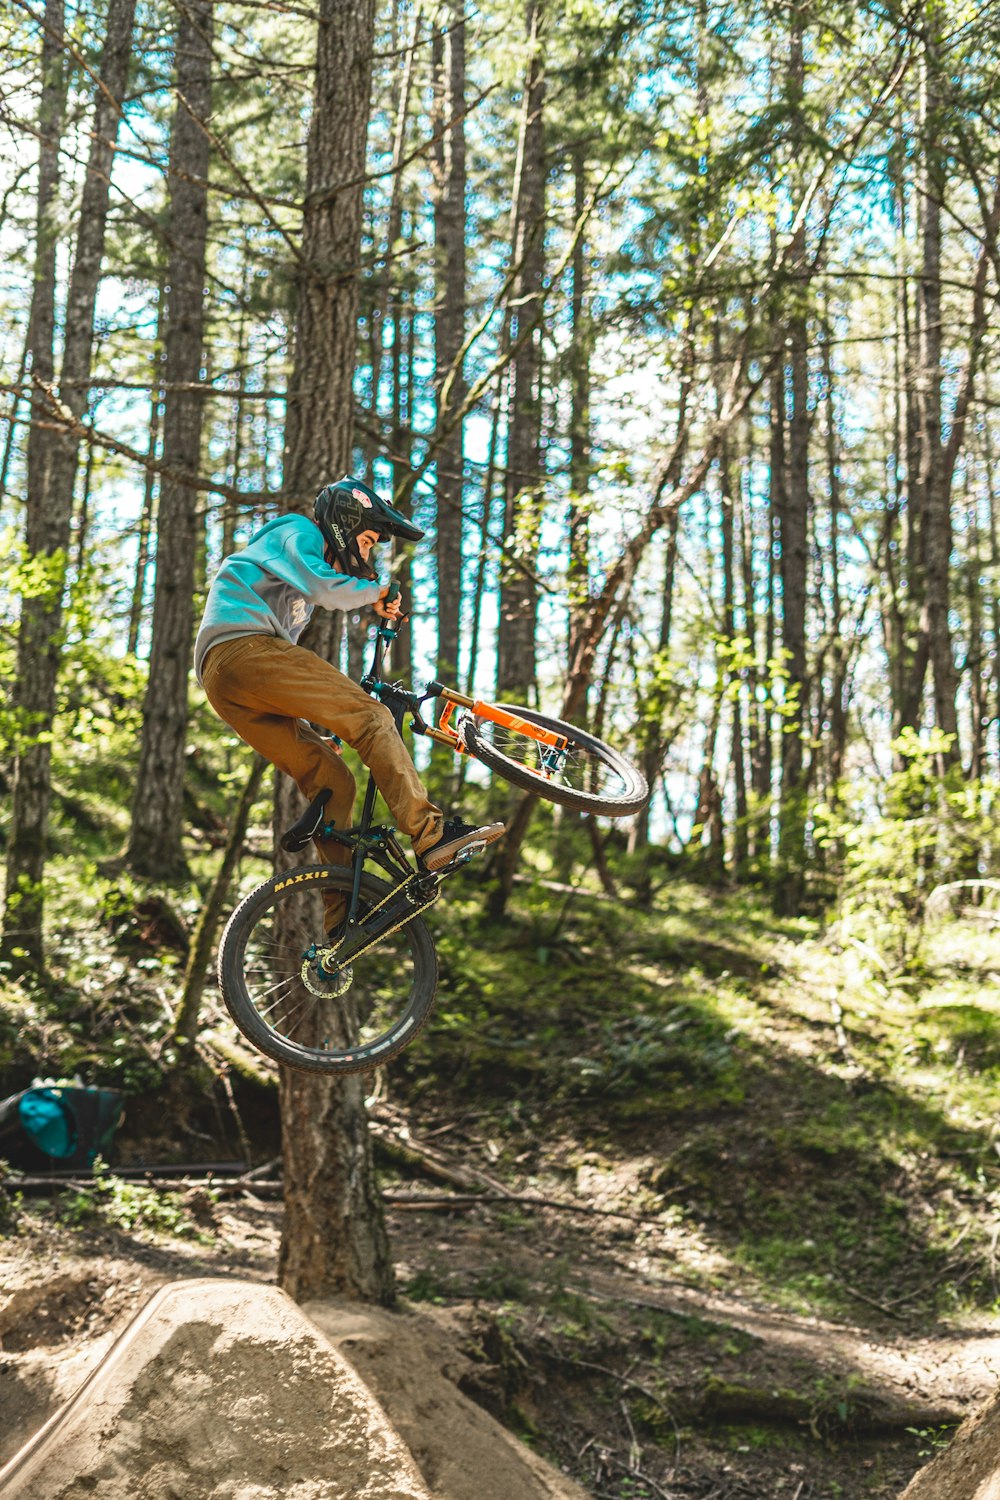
(326, 983)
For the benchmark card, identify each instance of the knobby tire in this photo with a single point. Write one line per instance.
(518, 759)
(307, 1023)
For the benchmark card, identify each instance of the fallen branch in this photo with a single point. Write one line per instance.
(247, 1184)
(394, 1142)
(871, 1302)
(249, 1066)
(860, 1409)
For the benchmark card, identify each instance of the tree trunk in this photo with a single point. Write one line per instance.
(840, 647)
(388, 290)
(891, 570)
(402, 408)
(934, 625)
(46, 533)
(579, 431)
(911, 642)
(755, 675)
(479, 588)
(404, 356)
(793, 519)
(52, 460)
(651, 757)
(729, 501)
(764, 781)
(449, 335)
(334, 1239)
(523, 490)
(978, 653)
(994, 533)
(231, 511)
(137, 606)
(15, 402)
(395, 295)
(155, 847)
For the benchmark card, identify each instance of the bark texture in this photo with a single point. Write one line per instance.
(38, 652)
(523, 489)
(579, 434)
(935, 483)
(155, 846)
(931, 461)
(334, 1240)
(53, 456)
(449, 336)
(793, 522)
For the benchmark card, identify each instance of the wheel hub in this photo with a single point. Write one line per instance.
(328, 983)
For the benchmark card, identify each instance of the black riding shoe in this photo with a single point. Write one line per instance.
(458, 838)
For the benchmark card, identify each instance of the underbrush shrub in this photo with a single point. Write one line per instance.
(932, 828)
(10, 1203)
(113, 1203)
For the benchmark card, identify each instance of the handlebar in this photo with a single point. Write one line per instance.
(394, 695)
(385, 633)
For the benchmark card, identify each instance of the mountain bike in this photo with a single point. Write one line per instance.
(346, 1000)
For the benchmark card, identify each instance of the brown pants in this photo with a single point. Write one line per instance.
(263, 687)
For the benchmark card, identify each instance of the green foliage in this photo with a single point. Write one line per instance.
(40, 576)
(678, 1051)
(130, 1207)
(425, 1287)
(932, 1440)
(500, 1283)
(11, 1204)
(931, 830)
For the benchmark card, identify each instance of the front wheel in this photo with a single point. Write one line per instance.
(579, 772)
(285, 990)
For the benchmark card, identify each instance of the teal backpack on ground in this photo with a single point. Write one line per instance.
(56, 1125)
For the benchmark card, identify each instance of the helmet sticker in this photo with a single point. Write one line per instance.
(362, 497)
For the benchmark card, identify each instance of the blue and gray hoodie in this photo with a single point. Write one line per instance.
(273, 585)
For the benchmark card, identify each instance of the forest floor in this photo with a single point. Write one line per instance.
(766, 1259)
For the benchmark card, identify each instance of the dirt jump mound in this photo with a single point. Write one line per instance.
(969, 1468)
(218, 1389)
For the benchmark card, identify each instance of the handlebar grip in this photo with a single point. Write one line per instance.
(394, 591)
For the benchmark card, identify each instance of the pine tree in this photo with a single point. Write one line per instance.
(155, 844)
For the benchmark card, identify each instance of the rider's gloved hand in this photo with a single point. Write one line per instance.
(388, 609)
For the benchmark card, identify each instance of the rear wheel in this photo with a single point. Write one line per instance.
(286, 992)
(580, 772)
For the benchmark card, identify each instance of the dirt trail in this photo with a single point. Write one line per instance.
(414, 1363)
(951, 1371)
(57, 1321)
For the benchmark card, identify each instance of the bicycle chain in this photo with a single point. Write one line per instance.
(359, 952)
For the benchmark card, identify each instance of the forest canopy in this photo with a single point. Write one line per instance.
(674, 329)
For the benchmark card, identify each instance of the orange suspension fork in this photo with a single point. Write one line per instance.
(446, 735)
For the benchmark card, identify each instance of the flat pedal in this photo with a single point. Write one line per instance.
(469, 852)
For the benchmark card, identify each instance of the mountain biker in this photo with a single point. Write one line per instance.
(264, 685)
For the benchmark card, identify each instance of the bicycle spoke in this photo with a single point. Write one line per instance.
(578, 768)
(311, 1002)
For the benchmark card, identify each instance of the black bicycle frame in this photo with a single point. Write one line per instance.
(379, 842)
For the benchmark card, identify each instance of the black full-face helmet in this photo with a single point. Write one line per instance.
(344, 510)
